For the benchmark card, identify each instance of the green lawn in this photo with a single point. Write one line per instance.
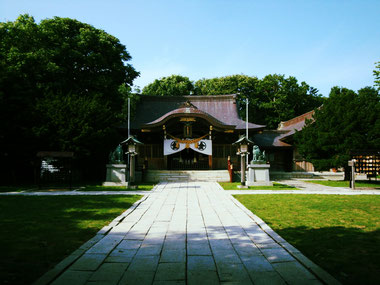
(340, 233)
(15, 188)
(140, 186)
(341, 183)
(276, 186)
(38, 232)
(144, 186)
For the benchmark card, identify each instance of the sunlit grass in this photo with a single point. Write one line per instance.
(276, 186)
(340, 233)
(145, 186)
(341, 183)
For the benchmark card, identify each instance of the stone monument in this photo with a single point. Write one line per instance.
(258, 169)
(115, 168)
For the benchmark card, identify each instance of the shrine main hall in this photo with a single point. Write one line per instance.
(197, 133)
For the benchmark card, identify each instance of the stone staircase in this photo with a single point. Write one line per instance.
(187, 175)
(222, 175)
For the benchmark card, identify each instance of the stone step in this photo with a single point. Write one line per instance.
(191, 175)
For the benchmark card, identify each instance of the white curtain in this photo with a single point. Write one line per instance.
(203, 146)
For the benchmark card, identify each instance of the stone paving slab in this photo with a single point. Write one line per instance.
(188, 233)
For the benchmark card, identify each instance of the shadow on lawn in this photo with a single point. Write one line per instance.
(38, 232)
(349, 254)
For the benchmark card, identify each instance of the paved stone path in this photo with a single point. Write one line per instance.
(187, 233)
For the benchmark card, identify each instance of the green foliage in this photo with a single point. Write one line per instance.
(174, 85)
(75, 123)
(345, 122)
(271, 100)
(376, 73)
(284, 98)
(226, 85)
(63, 86)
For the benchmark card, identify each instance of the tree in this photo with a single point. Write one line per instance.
(232, 84)
(59, 88)
(347, 121)
(174, 85)
(376, 73)
(272, 99)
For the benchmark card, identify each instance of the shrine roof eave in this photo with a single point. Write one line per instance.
(189, 113)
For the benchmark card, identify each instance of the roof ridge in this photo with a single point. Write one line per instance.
(222, 96)
(295, 120)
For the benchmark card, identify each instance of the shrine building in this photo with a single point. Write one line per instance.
(196, 133)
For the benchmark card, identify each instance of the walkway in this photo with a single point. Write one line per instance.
(187, 233)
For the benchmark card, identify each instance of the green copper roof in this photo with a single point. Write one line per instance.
(131, 140)
(243, 140)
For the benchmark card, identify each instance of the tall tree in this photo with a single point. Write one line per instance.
(376, 73)
(174, 85)
(281, 99)
(346, 121)
(53, 77)
(272, 99)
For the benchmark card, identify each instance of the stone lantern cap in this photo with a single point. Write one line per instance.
(131, 140)
(243, 140)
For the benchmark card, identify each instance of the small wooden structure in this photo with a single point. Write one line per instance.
(54, 168)
(367, 162)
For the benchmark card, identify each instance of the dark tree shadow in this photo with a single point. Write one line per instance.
(351, 255)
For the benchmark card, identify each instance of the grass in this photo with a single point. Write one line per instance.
(38, 232)
(276, 186)
(140, 186)
(340, 233)
(15, 188)
(144, 186)
(341, 183)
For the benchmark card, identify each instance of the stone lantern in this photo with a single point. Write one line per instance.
(131, 143)
(243, 143)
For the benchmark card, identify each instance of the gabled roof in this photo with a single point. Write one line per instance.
(188, 112)
(283, 135)
(295, 124)
(270, 138)
(222, 109)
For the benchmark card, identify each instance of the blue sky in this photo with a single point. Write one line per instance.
(322, 42)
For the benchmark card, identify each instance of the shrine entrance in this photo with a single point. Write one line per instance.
(188, 159)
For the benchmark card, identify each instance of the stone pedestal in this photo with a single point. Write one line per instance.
(115, 175)
(258, 175)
